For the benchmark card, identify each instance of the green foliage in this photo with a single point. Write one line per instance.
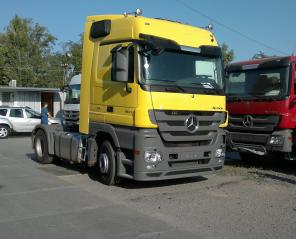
(75, 50)
(25, 53)
(227, 54)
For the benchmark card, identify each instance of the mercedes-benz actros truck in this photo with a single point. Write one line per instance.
(152, 105)
(261, 101)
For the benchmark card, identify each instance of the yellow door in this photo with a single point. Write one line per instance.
(111, 101)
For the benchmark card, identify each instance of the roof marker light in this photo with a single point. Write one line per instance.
(137, 13)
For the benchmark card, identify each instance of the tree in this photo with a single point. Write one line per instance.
(227, 54)
(75, 50)
(25, 50)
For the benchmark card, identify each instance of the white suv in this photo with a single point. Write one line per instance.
(19, 119)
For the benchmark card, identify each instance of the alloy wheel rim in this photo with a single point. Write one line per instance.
(3, 132)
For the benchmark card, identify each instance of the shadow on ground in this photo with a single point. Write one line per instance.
(62, 168)
(20, 135)
(267, 163)
(275, 177)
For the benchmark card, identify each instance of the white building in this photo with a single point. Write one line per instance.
(33, 98)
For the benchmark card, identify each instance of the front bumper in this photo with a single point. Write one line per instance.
(259, 143)
(178, 160)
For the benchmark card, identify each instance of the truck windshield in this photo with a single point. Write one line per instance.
(183, 70)
(73, 94)
(262, 83)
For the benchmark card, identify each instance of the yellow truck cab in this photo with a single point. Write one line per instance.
(152, 103)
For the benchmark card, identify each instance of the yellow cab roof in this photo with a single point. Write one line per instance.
(130, 27)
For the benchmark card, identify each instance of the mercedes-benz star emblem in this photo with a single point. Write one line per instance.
(191, 124)
(248, 121)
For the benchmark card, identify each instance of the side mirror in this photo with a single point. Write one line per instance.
(120, 64)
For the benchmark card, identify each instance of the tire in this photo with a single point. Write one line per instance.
(4, 131)
(41, 148)
(107, 164)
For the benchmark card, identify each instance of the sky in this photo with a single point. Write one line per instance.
(246, 26)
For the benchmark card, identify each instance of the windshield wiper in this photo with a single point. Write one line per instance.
(252, 97)
(162, 80)
(234, 97)
(264, 97)
(173, 88)
(208, 89)
(169, 88)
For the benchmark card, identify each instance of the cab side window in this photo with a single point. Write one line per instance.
(16, 113)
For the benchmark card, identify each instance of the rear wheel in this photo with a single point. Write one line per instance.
(107, 163)
(4, 131)
(41, 148)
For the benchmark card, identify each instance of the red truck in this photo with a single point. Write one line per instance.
(261, 100)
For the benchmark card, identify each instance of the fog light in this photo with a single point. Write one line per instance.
(152, 166)
(276, 139)
(219, 153)
(152, 157)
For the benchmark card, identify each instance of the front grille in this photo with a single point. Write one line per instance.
(71, 115)
(188, 171)
(171, 125)
(187, 163)
(259, 124)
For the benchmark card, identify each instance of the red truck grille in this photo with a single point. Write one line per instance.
(253, 123)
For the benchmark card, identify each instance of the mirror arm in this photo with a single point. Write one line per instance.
(127, 88)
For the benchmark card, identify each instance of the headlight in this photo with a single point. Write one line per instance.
(152, 157)
(219, 153)
(276, 139)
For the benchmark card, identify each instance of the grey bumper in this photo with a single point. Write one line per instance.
(178, 160)
(259, 143)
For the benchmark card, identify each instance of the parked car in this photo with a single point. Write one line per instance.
(20, 119)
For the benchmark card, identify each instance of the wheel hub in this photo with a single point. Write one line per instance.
(104, 163)
(39, 147)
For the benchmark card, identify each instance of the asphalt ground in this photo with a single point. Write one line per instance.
(244, 200)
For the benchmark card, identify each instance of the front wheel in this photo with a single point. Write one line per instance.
(41, 148)
(4, 131)
(107, 163)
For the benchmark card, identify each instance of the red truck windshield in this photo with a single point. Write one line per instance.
(260, 82)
